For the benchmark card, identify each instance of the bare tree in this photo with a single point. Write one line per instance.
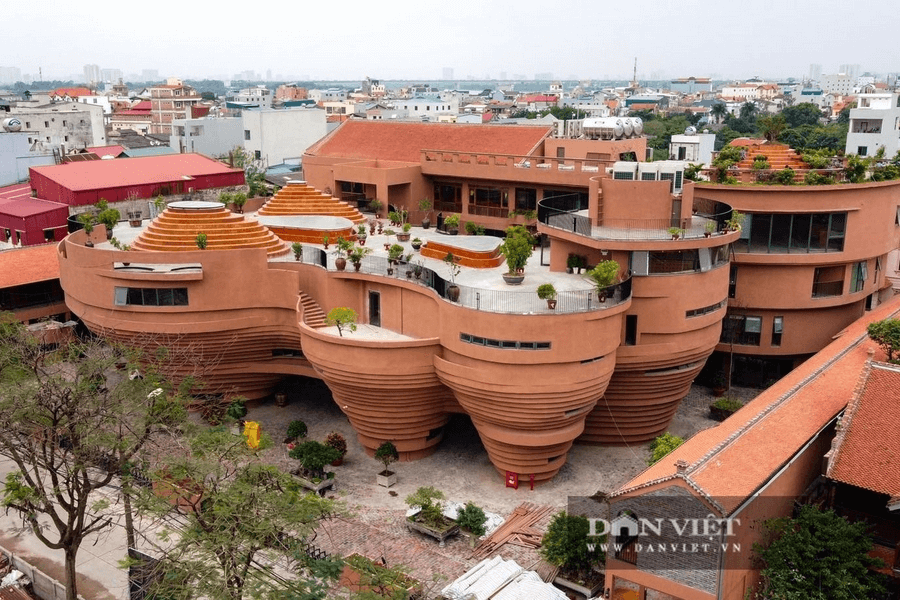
(71, 423)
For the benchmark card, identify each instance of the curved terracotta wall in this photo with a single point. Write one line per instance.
(654, 375)
(770, 285)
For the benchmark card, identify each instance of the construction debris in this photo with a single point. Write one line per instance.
(518, 530)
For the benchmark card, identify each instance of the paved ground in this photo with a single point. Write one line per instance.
(374, 524)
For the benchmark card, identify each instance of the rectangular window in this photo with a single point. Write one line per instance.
(46, 123)
(777, 327)
(862, 150)
(630, 330)
(828, 281)
(150, 296)
(741, 330)
(858, 276)
(28, 126)
(375, 309)
(246, 134)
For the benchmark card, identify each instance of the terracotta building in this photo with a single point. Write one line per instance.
(171, 101)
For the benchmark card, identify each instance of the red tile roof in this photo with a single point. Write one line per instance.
(538, 98)
(102, 151)
(729, 462)
(72, 92)
(100, 174)
(31, 264)
(866, 450)
(391, 141)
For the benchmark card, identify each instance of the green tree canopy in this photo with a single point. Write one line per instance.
(817, 556)
(566, 543)
(806, 113)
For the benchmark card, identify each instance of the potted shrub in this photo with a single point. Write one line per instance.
(375, 205)
(572, 262)
(720, 384)
(372, 225)
(238, 200)
(313, 457)
(675, 232)
(425, 205)
(451, 224)
(325, 240)
(452, 289)
(297, 249)
(710, 228)
(517, 247)
(736, 221)
(361, 234)
(416, 244)
(356, 256)
(604, 276)
(404, 236)
(567, 545)
(387, 234)
(547, 292)
(471, 519)
(387, 454)
(430, 520)
(295, 430)
(343, 248)
(724, 407)
(394, 218)
(337, 441)
(201, 240)
(473, 228)
(394, 254)
(87, 221)
(108, 216)
(418, 269)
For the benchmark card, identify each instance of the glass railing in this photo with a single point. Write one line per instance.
(482, 299)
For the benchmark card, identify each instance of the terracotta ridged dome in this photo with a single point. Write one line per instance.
(177, 227)
(297, 198)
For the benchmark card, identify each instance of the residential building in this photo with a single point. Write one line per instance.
(61, 126)
(693, 147)
(137, 118)
(736, 476)
(92, 74)
(329, 95)
(275, 136)
(422, 107)
(212, 137)
(691, 85)
(875, 125)
(10, 75)
(839, 84)
(16, 155)
(290, 91)
(171, 101)
(258, 96)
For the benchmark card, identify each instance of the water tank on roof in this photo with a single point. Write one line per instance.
(603, 128)
(627, 126)
(690, 130)
(638, 124)
(12, 124)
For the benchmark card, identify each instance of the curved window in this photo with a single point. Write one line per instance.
(697, 260)
(792, 233)
(151, 296)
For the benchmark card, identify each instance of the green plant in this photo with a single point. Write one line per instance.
(710, 227)
(728, 403)
(662, 445)
(239, 199)
(394, 217)
(573, 261)
(430, 500)
(314, 455)
(237, 410)
(692, 172)
(675, 232)
(784, 176)
(342, 318)
(416, 240)
(297, 249)
(87, 220)
(337, 441)
(736, 221)
(160, 203)
(361, 230)
(406, 227)
(119, 245)
(108, 216)
(357, 254)
(343, 247)
(201, 240)
(546, 291)
(296, 429)
(452, 264)
(395, 252)
(452, 222)
(604, 274)
(375, 205)
(387, 454)
(517, 247)
(225, 197)
(425, 205)
(472, 519)
(886, 333)
(566, 543)
(473, 228)
(325, 240)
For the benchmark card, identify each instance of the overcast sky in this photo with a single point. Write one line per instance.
(418, 39)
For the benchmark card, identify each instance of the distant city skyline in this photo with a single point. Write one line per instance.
(568, 40)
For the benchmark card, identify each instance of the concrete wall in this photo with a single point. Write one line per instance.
(212, 137)
(68, 124)
(15, 158)
(282, 134)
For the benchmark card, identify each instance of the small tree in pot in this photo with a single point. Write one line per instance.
(337, 441)
(604, 275)
(387, 454)
(547, 292)
(425, 205)
(517, 248)
(313, 457)
(471, 519)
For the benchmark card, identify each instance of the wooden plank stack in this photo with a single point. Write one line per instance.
(518, 530)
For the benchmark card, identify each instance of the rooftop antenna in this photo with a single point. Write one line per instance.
(634, 82)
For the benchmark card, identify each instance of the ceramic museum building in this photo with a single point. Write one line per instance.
(605, 366)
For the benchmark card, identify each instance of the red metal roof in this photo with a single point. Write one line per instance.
(867, 448)
(31, 264)
(101, 174)
(16, 201)
(19, 190)
(392, 141)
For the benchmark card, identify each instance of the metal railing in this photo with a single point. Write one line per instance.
(481, 299)
(562, 213)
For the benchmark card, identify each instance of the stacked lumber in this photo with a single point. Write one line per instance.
(518, 530)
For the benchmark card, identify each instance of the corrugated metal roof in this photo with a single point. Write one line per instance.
(28, 207)
(146, 170)
(31, 264)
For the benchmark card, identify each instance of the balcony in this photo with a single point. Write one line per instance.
(511, 167)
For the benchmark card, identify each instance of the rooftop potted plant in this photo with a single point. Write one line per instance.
(604, 276)
(387, 454)
(375, 205)
(430, 520)
(356, 256)
(387, 234)
(517, 248)
(451, 224)
(297, 249)
(343, 248)
(471, 519)
(295, 430)
(108, 216)
(675, 232)
(395, 252)
(416, 243)
(361, 234)
(201, 240)
(547, 292)
(425, 205)
(736, 221)
(87, 221)
(710, 228)
(325, 241)
(454, 268)
(404, 235)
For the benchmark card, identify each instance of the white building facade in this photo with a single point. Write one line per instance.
(874, 124)
(278, 136)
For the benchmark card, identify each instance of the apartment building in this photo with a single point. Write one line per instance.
(170, 101)
(875, 125)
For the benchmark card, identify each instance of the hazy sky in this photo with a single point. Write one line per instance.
(416, 40)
